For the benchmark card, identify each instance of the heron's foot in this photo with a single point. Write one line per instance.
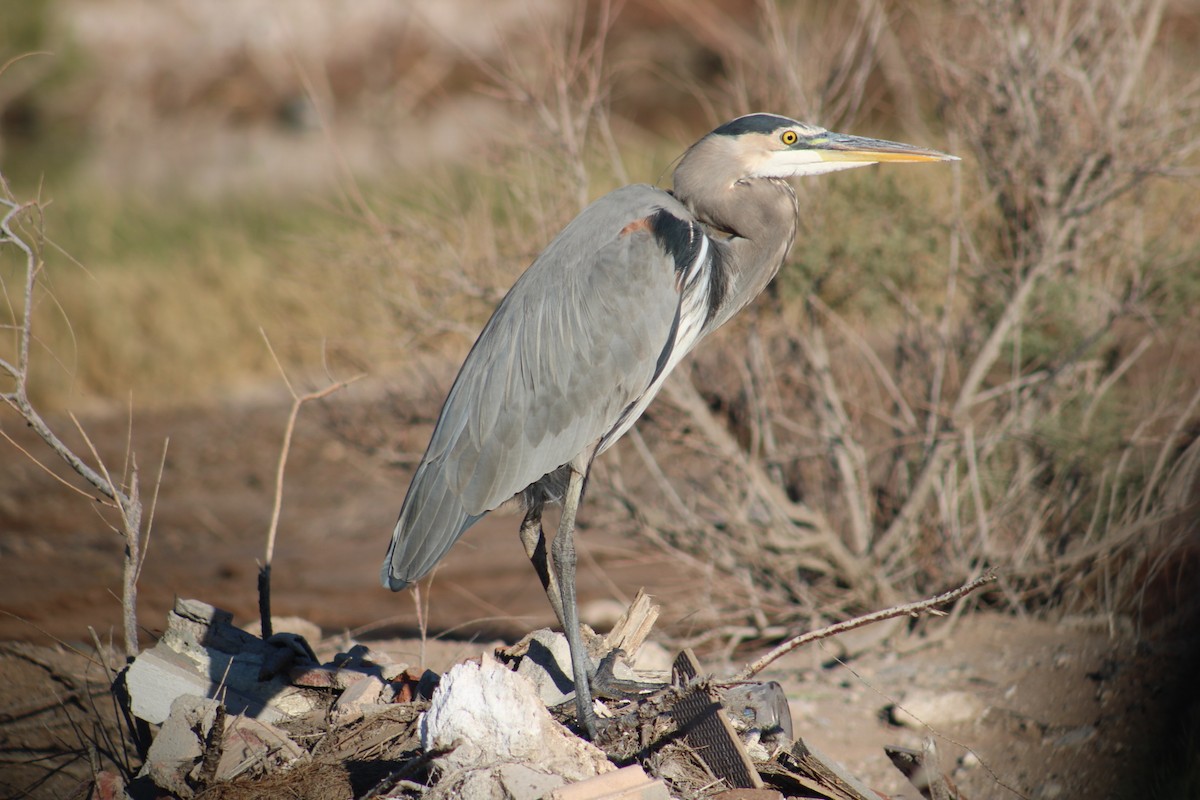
(606, 685)
(603, 684)
(587, 722)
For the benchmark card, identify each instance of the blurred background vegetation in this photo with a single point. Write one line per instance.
(991, 365)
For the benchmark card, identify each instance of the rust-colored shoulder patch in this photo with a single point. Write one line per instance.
(642, 224)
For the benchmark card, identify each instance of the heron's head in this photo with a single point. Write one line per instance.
(770, 146)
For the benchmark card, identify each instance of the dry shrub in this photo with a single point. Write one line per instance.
(904, 438)
(1069, 114)
(824, 62)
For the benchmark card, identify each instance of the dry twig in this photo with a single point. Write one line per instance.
(908, 609)
(298, 400)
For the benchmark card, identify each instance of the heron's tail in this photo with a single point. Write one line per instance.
(431, 521)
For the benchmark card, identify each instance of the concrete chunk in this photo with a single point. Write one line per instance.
(484, 715)
(547, 664)
(193, 624)
(497, 782)
(203, 654)
(176, 755)
(521, 782)
(155, 680)
(178, 747)
(159, 676)
(353, 702)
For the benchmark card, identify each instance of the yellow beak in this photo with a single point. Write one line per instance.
(859, 149)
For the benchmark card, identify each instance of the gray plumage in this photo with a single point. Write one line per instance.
(582, 342)
(550, 374)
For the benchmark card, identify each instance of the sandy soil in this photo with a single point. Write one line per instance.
(1019, 707)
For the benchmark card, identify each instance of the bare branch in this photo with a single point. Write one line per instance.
(124, 497)
(908, 609)
(298, 400)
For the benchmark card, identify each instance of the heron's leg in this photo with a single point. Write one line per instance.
(563, 552)
(534, 540)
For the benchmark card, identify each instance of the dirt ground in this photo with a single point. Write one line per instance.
(1080, 708)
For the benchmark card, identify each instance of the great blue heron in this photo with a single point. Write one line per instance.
(584, 339)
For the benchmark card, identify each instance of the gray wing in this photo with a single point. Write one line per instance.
(573, 345)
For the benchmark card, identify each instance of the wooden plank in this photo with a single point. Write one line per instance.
(627, 783)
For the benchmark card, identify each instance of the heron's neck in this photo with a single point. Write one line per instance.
(754, 224)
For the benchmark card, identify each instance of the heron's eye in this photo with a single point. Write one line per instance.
(788, 137)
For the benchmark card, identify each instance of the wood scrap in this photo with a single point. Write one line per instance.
(923, 770)
(804, 768)
(627, 783)
(634, 626)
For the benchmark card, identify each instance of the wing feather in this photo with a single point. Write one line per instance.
(575, 342)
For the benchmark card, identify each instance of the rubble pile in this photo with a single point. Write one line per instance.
(233, 716)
